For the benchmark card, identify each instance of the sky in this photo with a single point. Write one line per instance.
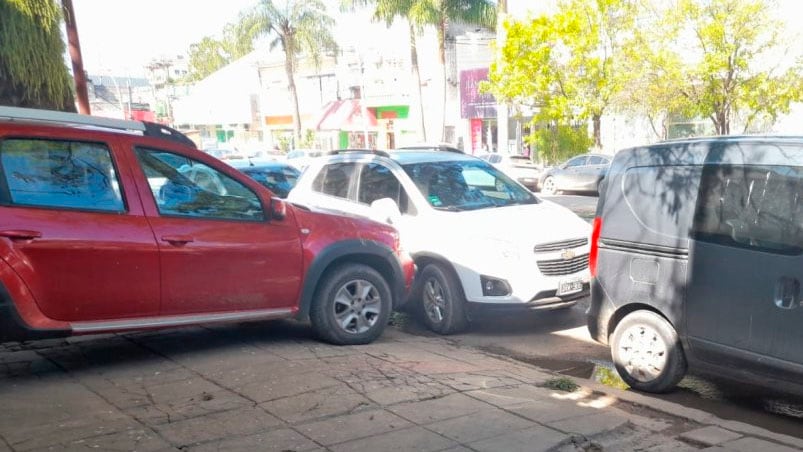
(121, 36)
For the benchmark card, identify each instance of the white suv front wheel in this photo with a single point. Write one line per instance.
(443, 307)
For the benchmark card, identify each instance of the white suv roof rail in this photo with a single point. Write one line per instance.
(69, 118)
(148, 129)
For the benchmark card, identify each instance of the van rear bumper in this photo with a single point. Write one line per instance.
(599, 313)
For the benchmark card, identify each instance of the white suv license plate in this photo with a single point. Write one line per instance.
(570, 286)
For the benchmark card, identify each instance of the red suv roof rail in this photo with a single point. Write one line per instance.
(59, 117)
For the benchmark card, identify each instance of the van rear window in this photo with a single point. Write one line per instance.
(755, 207)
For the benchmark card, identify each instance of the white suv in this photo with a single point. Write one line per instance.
(477, 236)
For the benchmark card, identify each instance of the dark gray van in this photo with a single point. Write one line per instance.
(697, 258)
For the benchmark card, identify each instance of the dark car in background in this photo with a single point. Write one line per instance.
(582, 173)
(278, 177)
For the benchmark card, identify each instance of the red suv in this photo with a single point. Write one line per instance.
(104, 226)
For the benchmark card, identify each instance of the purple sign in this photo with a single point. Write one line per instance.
(474, 104)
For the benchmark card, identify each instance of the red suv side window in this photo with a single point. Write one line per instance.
(59, 174)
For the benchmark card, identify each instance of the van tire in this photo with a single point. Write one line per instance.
(442, 305)
(341, 314)
(647, 353)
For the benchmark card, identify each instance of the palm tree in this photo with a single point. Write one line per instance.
(434, 13)
(439, 13)
(301, 27)
(388, 11)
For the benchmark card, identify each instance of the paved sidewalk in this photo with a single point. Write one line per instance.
(271, 387)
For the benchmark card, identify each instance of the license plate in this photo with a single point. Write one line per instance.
(569, 287)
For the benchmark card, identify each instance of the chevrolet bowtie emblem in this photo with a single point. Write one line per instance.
(567, 254)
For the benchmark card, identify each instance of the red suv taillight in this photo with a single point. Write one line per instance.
(592, 258)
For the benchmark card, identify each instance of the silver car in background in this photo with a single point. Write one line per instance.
(583, 173)
(518, 167)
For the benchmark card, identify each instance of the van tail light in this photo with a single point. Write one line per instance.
(592, 257)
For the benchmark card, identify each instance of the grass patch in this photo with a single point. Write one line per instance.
(562, 384)
(399, 319)
(609, 377)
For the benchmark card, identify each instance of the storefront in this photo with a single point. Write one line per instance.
(478, 112)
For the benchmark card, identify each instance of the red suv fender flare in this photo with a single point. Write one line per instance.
(374, 254)
(14, 326)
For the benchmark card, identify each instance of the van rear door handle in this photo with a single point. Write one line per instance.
(20, 234)
(787, 293)
(177, 240)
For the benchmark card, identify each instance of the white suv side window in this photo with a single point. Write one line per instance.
(378, 182)
(334, 179)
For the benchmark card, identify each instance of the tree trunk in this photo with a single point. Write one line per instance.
(81, 92)
(442, 61)
(289, 68)
(418, 97)
(596, 121)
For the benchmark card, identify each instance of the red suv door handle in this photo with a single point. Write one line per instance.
(20, 234)
(177, 240)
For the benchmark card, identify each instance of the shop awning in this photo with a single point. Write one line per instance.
(346, 115)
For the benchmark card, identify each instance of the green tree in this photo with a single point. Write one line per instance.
(556, 143)
(568, 65)
(32, 69)
(726, 75)
(300, 27)
(205, 57)
(210, 54)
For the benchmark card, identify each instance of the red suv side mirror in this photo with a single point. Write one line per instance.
(278, 209)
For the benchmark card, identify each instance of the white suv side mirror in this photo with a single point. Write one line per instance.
(385, 210)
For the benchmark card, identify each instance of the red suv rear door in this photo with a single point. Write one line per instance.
(219, 252)
(72, 227)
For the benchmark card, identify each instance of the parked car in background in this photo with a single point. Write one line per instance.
(278, 177)
(110, 225)
(518, 167)
(697, 257)
(479, 238)
(300, 158)
(583, 173)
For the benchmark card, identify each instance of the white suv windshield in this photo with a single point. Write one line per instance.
(466, 185)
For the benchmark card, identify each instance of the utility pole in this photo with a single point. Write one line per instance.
(501, 107)
(81, 93)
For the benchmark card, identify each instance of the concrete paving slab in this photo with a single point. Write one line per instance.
(478, 380)
(710, 436)
(354, 426)
(508, 397)
(749, 444)
(332, 401)
(447, 407)
(217, 426)
(590, 424)
(129, 440)
(533, 439)
(416, 438)
(42, 412)
(280, 440)
(482, 425)
(270, 386)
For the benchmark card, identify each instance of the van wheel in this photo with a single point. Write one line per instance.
(443, 307)
(352, 305)
(549, 186)
(647, 353)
